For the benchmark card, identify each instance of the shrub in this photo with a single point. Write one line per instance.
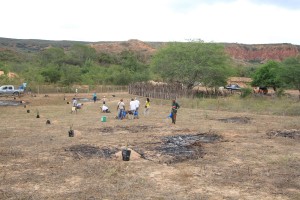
(245, 92)
(280, 92)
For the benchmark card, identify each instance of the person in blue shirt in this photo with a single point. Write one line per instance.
(95, 97)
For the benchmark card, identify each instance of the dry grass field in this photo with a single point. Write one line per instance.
(211, 152)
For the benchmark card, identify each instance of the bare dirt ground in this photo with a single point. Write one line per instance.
(206, 155)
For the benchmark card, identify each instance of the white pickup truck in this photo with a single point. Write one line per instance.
(11, 90)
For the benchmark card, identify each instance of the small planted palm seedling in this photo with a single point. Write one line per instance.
(71, 131)
(37, 114)
(126, 153)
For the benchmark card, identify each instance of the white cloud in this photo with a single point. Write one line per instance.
(241, 21)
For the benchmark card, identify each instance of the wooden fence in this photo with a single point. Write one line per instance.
(173, 91)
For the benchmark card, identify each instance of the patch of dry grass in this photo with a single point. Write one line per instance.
(245, 164)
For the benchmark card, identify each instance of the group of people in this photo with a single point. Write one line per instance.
(134, 106)
(104, 106)
(76, 105)
(133, 112)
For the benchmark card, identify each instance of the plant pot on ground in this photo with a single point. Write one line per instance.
(71, 131)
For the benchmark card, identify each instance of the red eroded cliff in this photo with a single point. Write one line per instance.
(243, 52)
(262, 52)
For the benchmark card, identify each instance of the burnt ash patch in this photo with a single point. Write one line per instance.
(292, 133)
(174, 149)
(238, 120)
(168, 149)
(88, 151)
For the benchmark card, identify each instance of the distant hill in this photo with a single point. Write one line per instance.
(26, 45)
(256, 53)
(262, 52)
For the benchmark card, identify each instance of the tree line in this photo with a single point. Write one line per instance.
(189, 63)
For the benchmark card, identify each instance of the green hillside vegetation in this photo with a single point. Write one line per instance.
(65, 63)
(79, 64)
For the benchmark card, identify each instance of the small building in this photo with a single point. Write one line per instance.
(241, 81)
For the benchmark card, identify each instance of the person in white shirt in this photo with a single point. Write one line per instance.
(74, 105)
(132, 109)
(105, 109)
(137, 105)
(74, 102)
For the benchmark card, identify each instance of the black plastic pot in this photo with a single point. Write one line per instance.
(126, 154)
(37, 116)
(71, 133)
(28, 111)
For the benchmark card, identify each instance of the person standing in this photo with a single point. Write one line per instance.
(74, 105)
(175, 107)
(132, 105)
(137, 105)
(74, 102)
(147, 107)
(95, 97)
(120, 109)
(104, 99)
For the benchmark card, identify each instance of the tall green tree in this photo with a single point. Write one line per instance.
(268, 75)
(191, 62)
(291, 72)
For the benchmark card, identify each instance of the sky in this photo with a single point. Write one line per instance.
(228, 21)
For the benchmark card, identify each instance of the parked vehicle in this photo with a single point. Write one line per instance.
(233, 87)
(11, 90)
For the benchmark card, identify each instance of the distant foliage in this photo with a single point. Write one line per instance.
(290, 73)
(268, 75)
(192, 62)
